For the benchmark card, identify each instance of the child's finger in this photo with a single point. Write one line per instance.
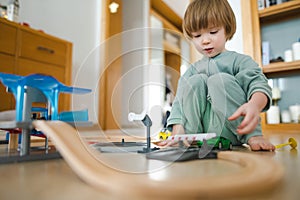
(235, 115)
(161, 143)
(170, 143)
(247, 126)
(186, 143)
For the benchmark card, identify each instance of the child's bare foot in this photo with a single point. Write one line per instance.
(260, 143)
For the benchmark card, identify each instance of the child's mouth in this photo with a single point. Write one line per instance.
(208, 50)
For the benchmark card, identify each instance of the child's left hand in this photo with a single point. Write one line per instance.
(250, 112)
(258, 143)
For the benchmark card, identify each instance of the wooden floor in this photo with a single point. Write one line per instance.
(53, 179)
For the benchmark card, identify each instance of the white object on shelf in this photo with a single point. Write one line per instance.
(288, 55)
(273, 115)
(13, 10)
(296, 50)
(261, 4)
(295, 112)
(267, 3)
(276, 94)
(266, 53)
(285, 116)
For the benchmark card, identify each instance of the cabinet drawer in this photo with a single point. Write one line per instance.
(43, 49)
(26, 67)
(8, 37)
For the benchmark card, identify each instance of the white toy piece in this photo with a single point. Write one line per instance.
(136, 117)
(148, 123)
(192, 137)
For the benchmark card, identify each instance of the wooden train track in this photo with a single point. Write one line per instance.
(258, 173)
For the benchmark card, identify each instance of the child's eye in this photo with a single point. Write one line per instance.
(195, 35)
(213, 32)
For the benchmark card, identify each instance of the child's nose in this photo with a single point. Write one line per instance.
(206, 40)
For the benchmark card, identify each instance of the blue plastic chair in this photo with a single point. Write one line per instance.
(44, 89)
(51, 88)
(47, 85)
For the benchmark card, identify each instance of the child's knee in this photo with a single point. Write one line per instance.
(197, 82)
(226, 84)
(221, 79)
(198, 79)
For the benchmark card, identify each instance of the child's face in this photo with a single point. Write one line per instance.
(210, 42)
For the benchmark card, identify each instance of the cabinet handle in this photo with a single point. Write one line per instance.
(45, 49)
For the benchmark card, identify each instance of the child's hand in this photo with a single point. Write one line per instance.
(167, 143)
(177, 129)
(259, 143)
(250, 112)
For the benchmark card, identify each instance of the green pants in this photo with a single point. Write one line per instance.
(207, 102)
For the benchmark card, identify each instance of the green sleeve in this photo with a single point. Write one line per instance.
(252, 79)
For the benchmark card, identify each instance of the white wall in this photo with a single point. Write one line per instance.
(236, 43)
(135, 57)
(79, 22)
(179, 6)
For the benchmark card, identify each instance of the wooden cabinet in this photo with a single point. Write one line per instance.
(254, 22)
(25, 51)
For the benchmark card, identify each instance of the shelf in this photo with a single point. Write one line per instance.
(278, 128)
(281, 128)
(285, 9)
(281, 67)
(273, 16)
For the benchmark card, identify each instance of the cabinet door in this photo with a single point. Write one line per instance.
(8, 37)
(6, 99)
(26, 67)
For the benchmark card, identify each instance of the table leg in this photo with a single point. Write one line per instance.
(13, 141)
(25, 142)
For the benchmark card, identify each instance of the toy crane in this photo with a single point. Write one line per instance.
(148, 123)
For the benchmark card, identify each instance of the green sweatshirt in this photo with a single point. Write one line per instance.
(245, 74)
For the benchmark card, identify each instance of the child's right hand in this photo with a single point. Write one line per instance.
(177, 129)
(250, 113)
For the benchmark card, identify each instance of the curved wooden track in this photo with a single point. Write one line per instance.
(257, 174)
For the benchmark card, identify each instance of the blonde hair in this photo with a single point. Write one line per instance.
(201, 14)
